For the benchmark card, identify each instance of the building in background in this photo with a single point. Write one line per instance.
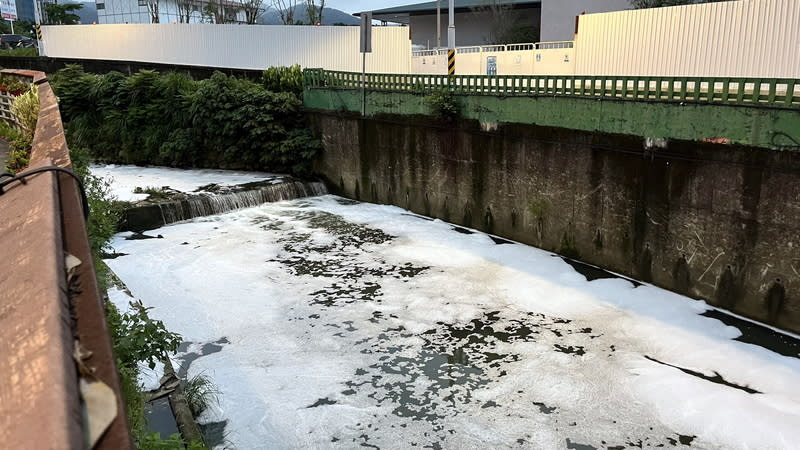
(25, 10)
(482, 22)
(169, 11)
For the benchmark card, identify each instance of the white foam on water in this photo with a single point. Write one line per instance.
(318, 311)
(125, 178)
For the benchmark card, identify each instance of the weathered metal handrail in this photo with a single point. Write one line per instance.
(52, 318)
(772, 92)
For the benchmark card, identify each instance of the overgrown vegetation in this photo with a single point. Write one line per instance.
(19, 51)
(200, 393)
(283, 79)
(168, 119)
(135, 336)
(442, 104)
(11, 83)
(154, 193)
(26, 109)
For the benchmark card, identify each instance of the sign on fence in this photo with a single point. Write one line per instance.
(8, 9)
(366, 32)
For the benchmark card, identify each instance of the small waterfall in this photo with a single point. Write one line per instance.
(207, 204)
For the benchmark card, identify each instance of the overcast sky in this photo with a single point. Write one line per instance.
(352, 6)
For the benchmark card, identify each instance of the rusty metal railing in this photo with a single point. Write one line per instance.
(57, 364)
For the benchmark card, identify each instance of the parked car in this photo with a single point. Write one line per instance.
(16, 40)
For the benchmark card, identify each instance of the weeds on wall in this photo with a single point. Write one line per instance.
(170, 120)
(25, 108)
(442, 104)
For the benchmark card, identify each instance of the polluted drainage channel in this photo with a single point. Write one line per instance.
(217, 201)
(430, 360)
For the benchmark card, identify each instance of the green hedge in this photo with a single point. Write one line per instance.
(169, 119)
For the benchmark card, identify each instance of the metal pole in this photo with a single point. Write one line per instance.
(438, 24)
(38, 21)
(363, 84)
(12, 26)
(451, 27)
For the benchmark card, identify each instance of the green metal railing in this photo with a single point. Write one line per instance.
(767, 92)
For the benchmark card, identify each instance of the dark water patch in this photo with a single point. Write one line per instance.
(351, 279)
(490, 404)
(417, 216)
(214, 434)
(578, 446)
(113, 255)
(569, 349)
(346, 201)
(462, 230)
(756, 334)
(322, 402)
(544, 409)
(682, 440)
(500, 241)
(595, 273)
(186, 359)
(141, 236)
(716, 378)
(159, 417)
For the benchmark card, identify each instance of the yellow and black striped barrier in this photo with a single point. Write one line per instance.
(451, 62)
(38, 29)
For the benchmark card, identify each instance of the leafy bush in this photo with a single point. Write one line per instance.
(26, 109)
(12, 83)
(139, 339)
(168, 119)
(283, 79)
(442, 104)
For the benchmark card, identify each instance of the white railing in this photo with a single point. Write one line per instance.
(496, 48)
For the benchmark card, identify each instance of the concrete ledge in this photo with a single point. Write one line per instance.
(46, 314)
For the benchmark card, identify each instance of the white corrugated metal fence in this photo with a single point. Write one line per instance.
(233, 46)
(747, 38)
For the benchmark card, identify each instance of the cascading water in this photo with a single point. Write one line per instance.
(207, 204)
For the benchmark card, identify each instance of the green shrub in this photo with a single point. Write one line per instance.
(150, 118)
(442, 104)
(26, 109)
(12, 83)
(283, 79)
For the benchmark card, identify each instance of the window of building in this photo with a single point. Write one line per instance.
(101, 6)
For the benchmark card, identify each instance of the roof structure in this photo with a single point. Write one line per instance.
(401, 14)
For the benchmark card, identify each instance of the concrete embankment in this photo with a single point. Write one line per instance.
(716, 222)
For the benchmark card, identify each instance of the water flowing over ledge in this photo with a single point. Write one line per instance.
(141, 218)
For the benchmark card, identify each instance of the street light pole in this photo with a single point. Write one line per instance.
(438, 24)
(451, 27)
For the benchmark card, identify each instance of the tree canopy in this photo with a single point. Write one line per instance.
(62, 14)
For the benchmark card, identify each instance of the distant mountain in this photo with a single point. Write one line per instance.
(330, 16)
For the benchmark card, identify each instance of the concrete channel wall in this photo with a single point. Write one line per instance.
(715, 222)
(52, 320)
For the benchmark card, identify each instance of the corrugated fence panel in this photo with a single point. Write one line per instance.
(744, 38)
(233, 46)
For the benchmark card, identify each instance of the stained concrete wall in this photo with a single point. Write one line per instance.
(712, 221)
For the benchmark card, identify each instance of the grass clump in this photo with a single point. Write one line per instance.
(200, 393)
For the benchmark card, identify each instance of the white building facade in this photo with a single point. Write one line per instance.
(168, 11)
